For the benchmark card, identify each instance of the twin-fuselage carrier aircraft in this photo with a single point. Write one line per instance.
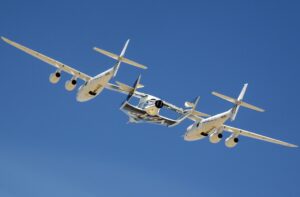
(93, 86)
(148, 108)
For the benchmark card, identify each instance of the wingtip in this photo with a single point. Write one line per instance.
(290, 145)
(4, 39)
(293, 146)
(142, 66)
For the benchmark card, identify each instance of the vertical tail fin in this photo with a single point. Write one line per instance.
(238, 102)
(117, 66)
(120, 58)
(236, 107)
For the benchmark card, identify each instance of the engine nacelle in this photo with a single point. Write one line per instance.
(54, 77)
(70, 84)
(215, 137)
(159, 104)
(231, 141)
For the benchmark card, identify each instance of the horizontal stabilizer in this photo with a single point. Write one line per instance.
(237, 102)
(109, 54)
(249, 106)
(224, 97)
(120, 58)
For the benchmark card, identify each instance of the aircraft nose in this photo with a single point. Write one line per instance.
(186, 137)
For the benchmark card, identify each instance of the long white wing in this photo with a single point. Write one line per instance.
(256, 136)
(50, 61)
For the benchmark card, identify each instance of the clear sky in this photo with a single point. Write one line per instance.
(51, 145)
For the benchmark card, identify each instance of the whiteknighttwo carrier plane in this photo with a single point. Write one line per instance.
(93, 86)
(148, 108)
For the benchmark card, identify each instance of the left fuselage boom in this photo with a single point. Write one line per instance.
(202, 128)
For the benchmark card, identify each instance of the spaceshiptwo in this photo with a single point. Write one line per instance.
(149, 106)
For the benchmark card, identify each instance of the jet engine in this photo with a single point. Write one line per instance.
(54, 77)
(70, 84)
(159, 104)
(232, 141)
(215, 137)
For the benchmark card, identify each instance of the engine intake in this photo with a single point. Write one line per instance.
(215, 137)
(231, 141)
(55, 77)
(159, 104)
(70, 84)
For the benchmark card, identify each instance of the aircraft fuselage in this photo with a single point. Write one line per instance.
(202, 128)
(94, 87)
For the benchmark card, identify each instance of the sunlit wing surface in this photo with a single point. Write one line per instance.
(256, 136)
(50, 61)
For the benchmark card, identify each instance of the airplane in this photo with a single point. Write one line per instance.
(149, 106)
(214, 126)
(148, 109)
(93, 86)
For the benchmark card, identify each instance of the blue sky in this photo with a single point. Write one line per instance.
(51, 145)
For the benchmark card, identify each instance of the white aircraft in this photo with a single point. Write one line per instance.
(93, 86)
(149, 106)
(214, 126)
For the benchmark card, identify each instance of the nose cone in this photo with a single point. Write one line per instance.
(79, 98)
(187, 136)
(82, 95)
